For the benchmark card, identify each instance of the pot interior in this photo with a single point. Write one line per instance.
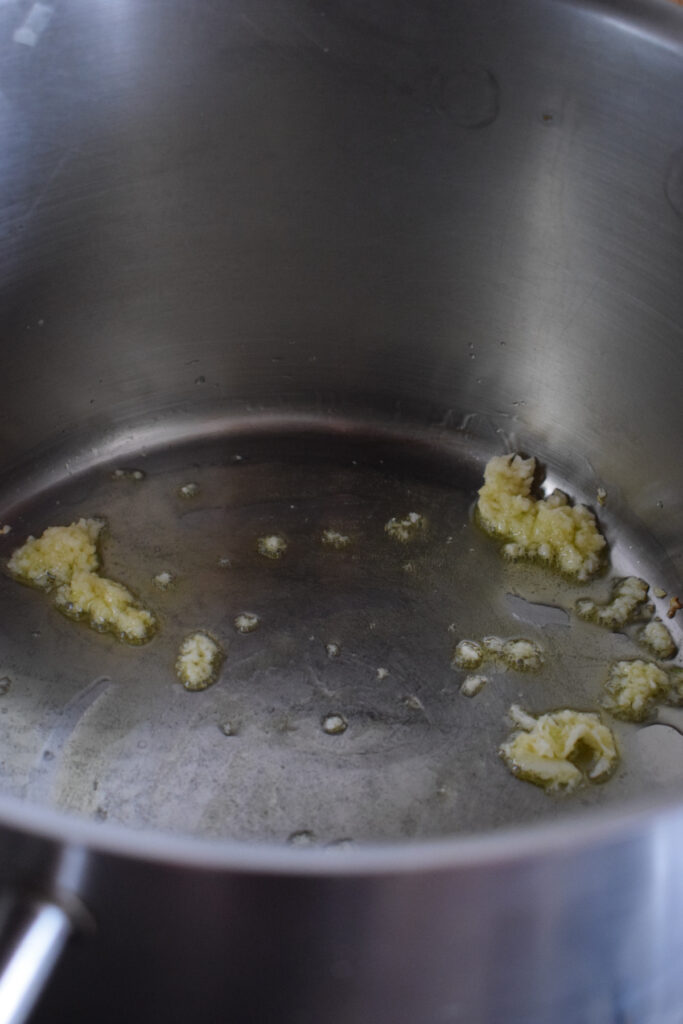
(324, 265)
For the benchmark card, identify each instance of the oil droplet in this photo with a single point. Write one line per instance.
(48, 755)
(228, 729)
(382, 673)
(128, 474)
(413, 703)
(333, 650)
(5, 683)
(536, 613)
(101, 814)
(200, 380)
(190, 490)
(224, 562)
(334, 724)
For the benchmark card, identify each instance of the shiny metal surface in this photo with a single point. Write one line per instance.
(464, 217)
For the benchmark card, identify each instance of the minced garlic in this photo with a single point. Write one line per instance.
(52, 558)
(545, 749)
(517, 654)
(272, 546)
(468, 654)
(473, 685)
(335, 539)
(522, 655)
(493, 646)
(65, 560)
(163, 580)
(198, 661)
(675, 694)
(107, 606)
(633, 687)
(407, 528)
(657, 638)
(627, 603)
(549, 529)
(247, 622)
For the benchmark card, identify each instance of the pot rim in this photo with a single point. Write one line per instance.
(503, 847)
(658, 21)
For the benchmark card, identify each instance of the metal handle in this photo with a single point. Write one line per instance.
(33, 936)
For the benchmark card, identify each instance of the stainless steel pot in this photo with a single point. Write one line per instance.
(429, 225)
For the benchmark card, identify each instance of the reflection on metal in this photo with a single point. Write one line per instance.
(35, 936)
(33, 25)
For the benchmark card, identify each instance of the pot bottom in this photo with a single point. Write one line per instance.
(336, 716)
